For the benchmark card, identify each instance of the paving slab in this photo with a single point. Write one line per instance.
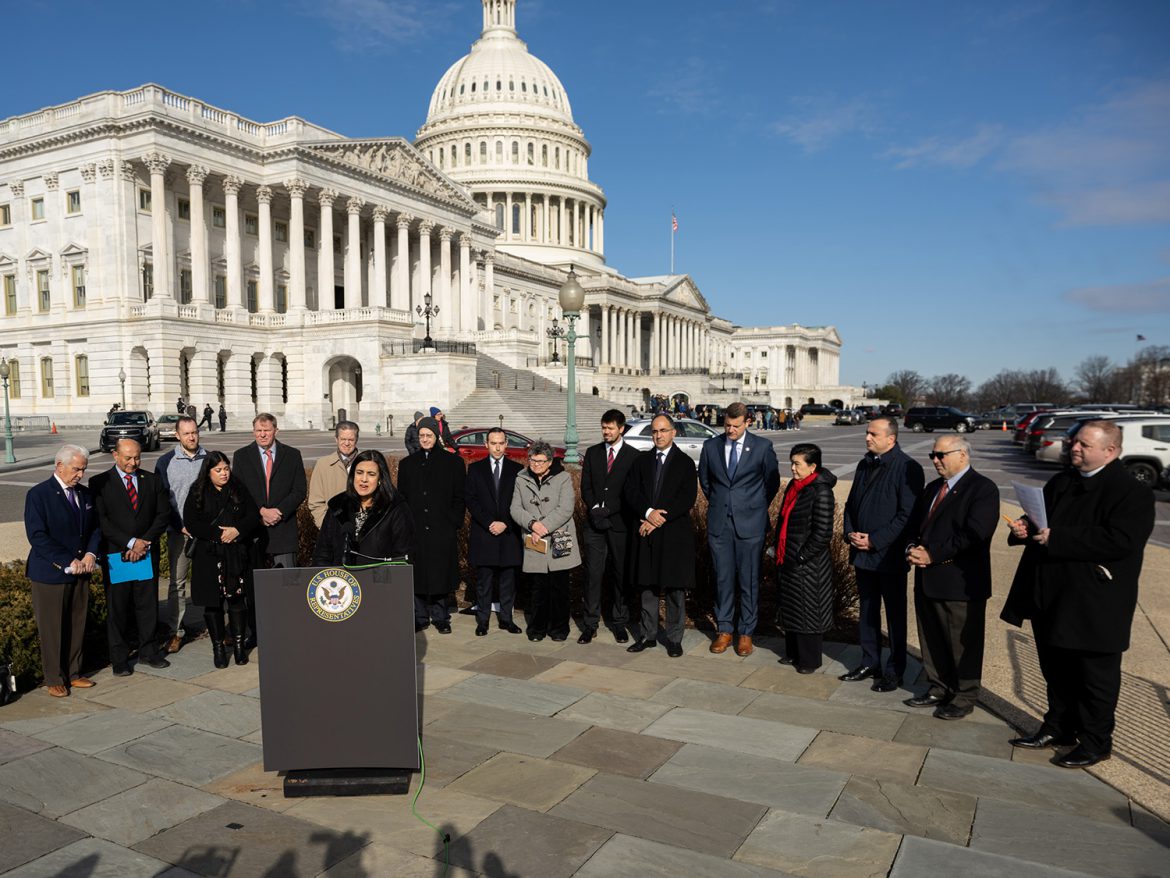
(614, 711)
(739, 733)
(98, 858)
(879, 760)
(785, 679)
(260, 842)
(506, 729)
(527, 781)
(137, 814)
(14, 746)
(27, 836)
(860, 695)
(185, 666)
(383, 860)
(223, 713)
(145, 693)
(701, 695)
(1071, 842)
(618, 752)
(683, 818)
(185, 755)
(34, 712)
(523, 696)
(906, 809)
(600, 653)
(983, 739)
(434, 707)
(514, 841)
(100, 731)
(727, 669)
(840, 658)
(447, 759)
(55, 781)
(519, 665)
(769, 782)
(234, 678)
(814, 714)
(1045, 787)
(926, 858)
(614, 681)
(252, 785)
(436, 678)
(819, 848)
(627, 855)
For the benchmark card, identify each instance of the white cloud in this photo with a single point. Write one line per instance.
(819, 120)
(373, 25)
(1151, 297)
(689, 87)
(961, 152)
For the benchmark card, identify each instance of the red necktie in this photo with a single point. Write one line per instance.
(609, 465)
(942, 492)
(267, 470)
(132, 492)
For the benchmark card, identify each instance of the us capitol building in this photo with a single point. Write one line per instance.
(153, 246)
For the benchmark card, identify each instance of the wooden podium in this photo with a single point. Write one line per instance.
(338, 692)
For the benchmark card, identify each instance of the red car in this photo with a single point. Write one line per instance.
(470, 442)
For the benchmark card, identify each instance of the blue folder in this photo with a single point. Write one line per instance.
(129, 571)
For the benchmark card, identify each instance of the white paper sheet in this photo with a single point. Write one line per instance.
(1032, 499)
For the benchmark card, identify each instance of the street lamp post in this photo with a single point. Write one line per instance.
(723, 374)
(427, 312)
(122, 379)
(571, 298)
(556, 333)
(9, 455)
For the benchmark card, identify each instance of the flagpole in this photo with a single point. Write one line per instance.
(672, 240)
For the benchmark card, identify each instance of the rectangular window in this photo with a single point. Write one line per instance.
(185, 209)
(144, 200)
(43, 300)
(10, 294)
(311, 239)
(281, 232)
(281, 298)
(79, 286)
(337, 243)
(73, 202)
(37, 209)
(253, 303)
(147, 282)
(81, 367)
(5, 215)
(47, 377)
(251, 224)
(763, 355)
(14, 378)
(220, 291)
(219, 217)
(184, 286)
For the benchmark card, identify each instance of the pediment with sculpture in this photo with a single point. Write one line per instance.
(397, 161)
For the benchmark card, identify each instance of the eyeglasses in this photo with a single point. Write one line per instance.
(939, 455)
(538, 461)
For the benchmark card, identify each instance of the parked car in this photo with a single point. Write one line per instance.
(138, 425)
(1145, 444)
(996, 419)
(470, 442)
(166, 427)
(850, 417)
(1047, 429)
(871, 411)
(689, 435)
(817, 408)
(1020, 431)
(893, 410)
(938, 417)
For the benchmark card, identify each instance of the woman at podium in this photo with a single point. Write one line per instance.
(369, 522)
(221, 517)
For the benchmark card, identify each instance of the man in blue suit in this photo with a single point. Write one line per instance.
(62, 529)
(739, 477)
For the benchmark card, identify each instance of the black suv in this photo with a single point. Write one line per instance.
(939, 417)
(139, 426)
(818, 408)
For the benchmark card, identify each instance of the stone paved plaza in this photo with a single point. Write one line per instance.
(554, 759)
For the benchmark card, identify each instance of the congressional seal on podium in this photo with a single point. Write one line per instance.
(334, 594)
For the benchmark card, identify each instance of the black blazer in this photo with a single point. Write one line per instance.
(287, 489)
(598, 486)
(120, 522)
(486, 506)
(958, 538)
(666, 557)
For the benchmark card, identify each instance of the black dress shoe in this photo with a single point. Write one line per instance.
(861, 672)
(620, 635)
(558, 638)
(1041, 741)
(674, 650)
(886, 684)
(926, 699)
(122, 671)
(418, 627)
(801, 670)
(586, 636)
(158, 662)
(952, 711)
(443, 627)
(469, 610)
(787, 660)
(481, 630)
(639, 645)
(1079, 757)
(535, 638)
(510, 627)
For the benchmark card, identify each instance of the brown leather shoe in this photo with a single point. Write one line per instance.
(57, 691)
(81, 683)
(743, 646)
(720, 643)
(175, 645)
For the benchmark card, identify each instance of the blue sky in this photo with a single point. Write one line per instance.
(956, 187)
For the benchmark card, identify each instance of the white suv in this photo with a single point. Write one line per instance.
(1145, 447)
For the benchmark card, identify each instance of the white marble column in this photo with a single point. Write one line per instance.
(447, 315)
(199, 286)
(636, 341)
(378, 288)
(562, 240)
(400, 288)
(326, 276)
(353, 254)
(296, 243)
(489, 289)
(526, 219)
(266, 304)
(160, 249)
(601, 232)
(466, 298)
(231, 242)
(603, 322)
(424, 259)
(655, 342)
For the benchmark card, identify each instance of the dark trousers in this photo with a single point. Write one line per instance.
(951, 636)
(60, 614)
(874, 588)
(803, 649)
(133, 607)
(1083, 688)
(737, 579)
(548, 604)
(484, 577)
(605, 551)
(676, 614)
(432, 608)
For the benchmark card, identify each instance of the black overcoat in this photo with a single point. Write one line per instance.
(210, 553)
(805, 572)
(665, 558)
(387, 533)
(286, 490)
(958, 537)
(432, 484)
(486, 506)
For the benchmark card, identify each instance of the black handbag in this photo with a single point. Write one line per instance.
(560, 544)
(7, 684)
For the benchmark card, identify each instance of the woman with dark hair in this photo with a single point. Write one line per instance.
(221, 518)
(804, 567)
(369, 521)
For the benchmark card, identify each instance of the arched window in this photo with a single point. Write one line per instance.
(499, 85)
(461, 86)
(524, 86)
(454, 156)
(531, 154)
(515, 219)
(467, 153)
(557, 158)
(544, 155)
(511, 85)
(499, 216)
(499, 152)
(440, 156)
(515, 152)
(472, 88)
(483, 152)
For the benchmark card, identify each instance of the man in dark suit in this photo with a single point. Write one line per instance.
(1078, 583)
(739, 476)
(602, 478)
(885, 489)
(494, 540)
(660, 491)
(133, 510)
(62, 529)
(951, 527)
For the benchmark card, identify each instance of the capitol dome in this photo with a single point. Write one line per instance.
(500, 123)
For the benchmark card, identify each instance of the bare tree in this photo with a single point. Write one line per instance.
(1043, 385)
(949, 389)
(1096, 379)
(904, 386)
(1001, 389)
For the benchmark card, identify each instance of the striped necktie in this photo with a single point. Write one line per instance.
(133, 492)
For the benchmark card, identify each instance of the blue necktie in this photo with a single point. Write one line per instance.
(732, 461)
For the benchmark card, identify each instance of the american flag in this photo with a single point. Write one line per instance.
(1139, 338)
(673, 223)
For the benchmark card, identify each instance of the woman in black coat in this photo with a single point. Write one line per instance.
(221, 517)
(369, 521)
(804, 566)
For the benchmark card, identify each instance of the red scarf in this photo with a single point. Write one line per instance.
(794, 488)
